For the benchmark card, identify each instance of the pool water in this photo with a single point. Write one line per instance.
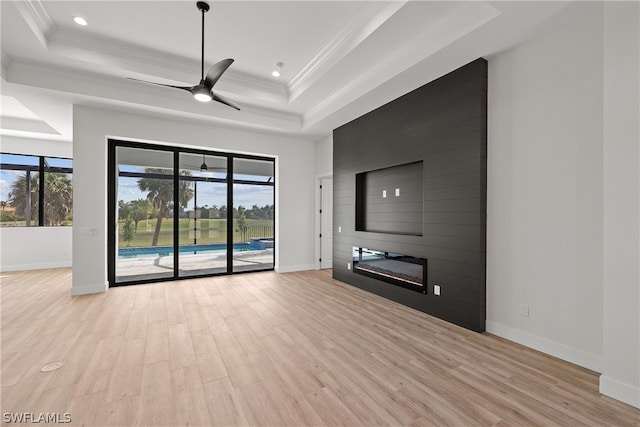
(154, 251)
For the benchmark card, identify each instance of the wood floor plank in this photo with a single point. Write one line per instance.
(126, 375)
(137, 326)
(331, 409)
(293, 349)
(181, 346)
(210, 363)
(189, 401)
(84, 409)
(157, 309)
(75, 362)
(155, 406)
(118, 413)
(363, 406)
(157, 343)
(258, 405)
(287, 398)
(223, 403)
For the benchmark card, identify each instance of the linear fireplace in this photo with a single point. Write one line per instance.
(402, 270)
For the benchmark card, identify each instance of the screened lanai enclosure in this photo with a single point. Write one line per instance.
(177, 213)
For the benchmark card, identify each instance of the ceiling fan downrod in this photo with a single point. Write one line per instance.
(204, 8)
(203, 91)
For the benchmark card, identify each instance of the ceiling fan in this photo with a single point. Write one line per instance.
(203, 167)
(203, 91)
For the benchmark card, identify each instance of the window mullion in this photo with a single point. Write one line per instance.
(41, 193)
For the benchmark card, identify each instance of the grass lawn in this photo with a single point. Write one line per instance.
(23, 223)
(211, 231)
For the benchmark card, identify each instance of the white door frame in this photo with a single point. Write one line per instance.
(318, 225)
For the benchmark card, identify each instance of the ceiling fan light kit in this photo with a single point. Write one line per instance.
(203, 91)
(276, 71)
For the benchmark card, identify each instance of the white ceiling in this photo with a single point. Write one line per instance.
(341, 58)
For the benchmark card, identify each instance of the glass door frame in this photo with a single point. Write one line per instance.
(112, 229)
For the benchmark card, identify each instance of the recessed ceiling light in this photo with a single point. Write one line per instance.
(80, 20)
(276, 71)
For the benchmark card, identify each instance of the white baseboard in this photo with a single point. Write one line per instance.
(620, 391)
(545, 345)
(95, 288)
(292, 268)
(39, 266)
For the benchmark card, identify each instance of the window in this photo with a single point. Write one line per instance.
(183, 212)
(23, 192)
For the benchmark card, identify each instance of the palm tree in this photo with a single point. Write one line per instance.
(24, 200)
(58, 198)
(160, 195)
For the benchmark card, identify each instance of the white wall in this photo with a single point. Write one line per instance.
(544, 208)
(563, 211)
(324, 156)
(621, 298)
(29, 248)
(33, 248)
(294, 188)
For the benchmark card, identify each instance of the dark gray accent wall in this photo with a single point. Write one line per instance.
(443, 124)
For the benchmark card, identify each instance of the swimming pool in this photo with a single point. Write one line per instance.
(154, 251)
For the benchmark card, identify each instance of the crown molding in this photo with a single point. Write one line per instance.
(358, 29)
(98, 89)
(423, 46)
(38, 20)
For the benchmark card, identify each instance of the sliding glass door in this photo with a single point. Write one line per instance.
(177, 213)
(203, 220)
(144, 214)
(253, 214)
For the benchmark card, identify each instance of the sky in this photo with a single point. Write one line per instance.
(209, 193)
(7, 177)
(6, 181)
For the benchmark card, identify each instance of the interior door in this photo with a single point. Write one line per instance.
(326, 223)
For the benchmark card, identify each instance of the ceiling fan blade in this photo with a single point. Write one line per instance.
(187, 88)
(226, 101)
(216, 71)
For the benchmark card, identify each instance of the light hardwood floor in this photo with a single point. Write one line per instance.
(272, 349)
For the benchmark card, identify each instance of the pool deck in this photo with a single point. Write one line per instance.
(208, 262)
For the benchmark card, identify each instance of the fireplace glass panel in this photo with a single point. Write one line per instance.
(398, 269)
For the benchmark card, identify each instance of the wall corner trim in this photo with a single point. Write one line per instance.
(94, 288)
(620, 391)
(545, 345)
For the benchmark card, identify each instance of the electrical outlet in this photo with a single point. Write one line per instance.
(339, 229)
(436, 289)
(348, 266)
(524, 310)
(397, 192)
(384, 194)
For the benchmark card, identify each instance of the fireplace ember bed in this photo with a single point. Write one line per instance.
(398, 269)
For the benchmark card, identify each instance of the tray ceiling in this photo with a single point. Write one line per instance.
(341, 58)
